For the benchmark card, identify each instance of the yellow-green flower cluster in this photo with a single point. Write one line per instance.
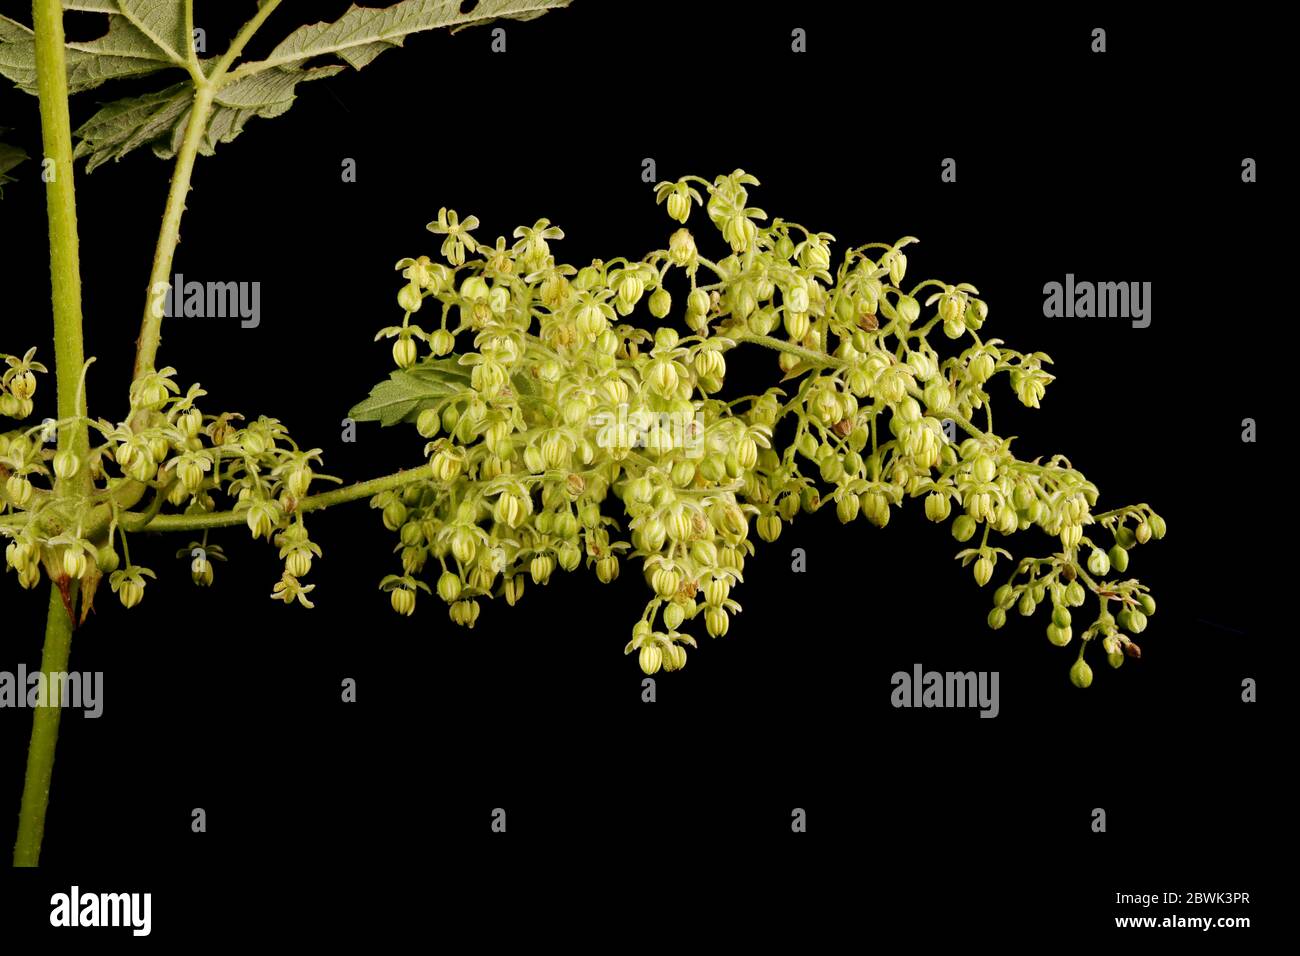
(557, 431)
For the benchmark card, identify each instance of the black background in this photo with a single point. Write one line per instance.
(374, 816)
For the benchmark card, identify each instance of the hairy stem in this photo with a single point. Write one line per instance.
(205, 90)
(241, 40)
(169, 236)
(65, 281)
(61, 210)
(137, 521)
(45, 732)
(823, 360)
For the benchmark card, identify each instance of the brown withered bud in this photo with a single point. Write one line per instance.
(868, 321)
(1068, 573)
(842, 427)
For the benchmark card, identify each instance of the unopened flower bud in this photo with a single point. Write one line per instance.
(66, 463)
(674, 614)
(1060, 636)
(442, 342)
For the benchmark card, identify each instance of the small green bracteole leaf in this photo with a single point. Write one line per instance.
(148, 36)
(407, 391)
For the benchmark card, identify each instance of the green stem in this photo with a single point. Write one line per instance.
(205, 91)
(822, 360)
(169, 235)
(65, 282)
(45, 733)
(61, 209)
(136, 521)
(819, 359)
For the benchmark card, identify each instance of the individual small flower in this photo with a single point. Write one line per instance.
(717, 621)
(1060, 636)
(191, 468)
(425, 273)
(19, 489)
(153, 388)
(897, 268)
(607, 569)
(937, 506)
(447, 462)
(74, 563)
(679, 197)
(409, 300)
(19, 378)
(66, 463)
(201, 571)
(128, 584)
(1132, 620)
(1081, 673)
(682, 250)
(288, 589)
(1118, 558)
(403, 600)
(651, 659)
(442, 342)
(981, 367)
(464, 613)
(458, 240)
(1070, 536)
(106, 559)
(661, 303)
(541, 568)
(1029, 384)
(262, 518)
(449, 586)
(532, 248)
